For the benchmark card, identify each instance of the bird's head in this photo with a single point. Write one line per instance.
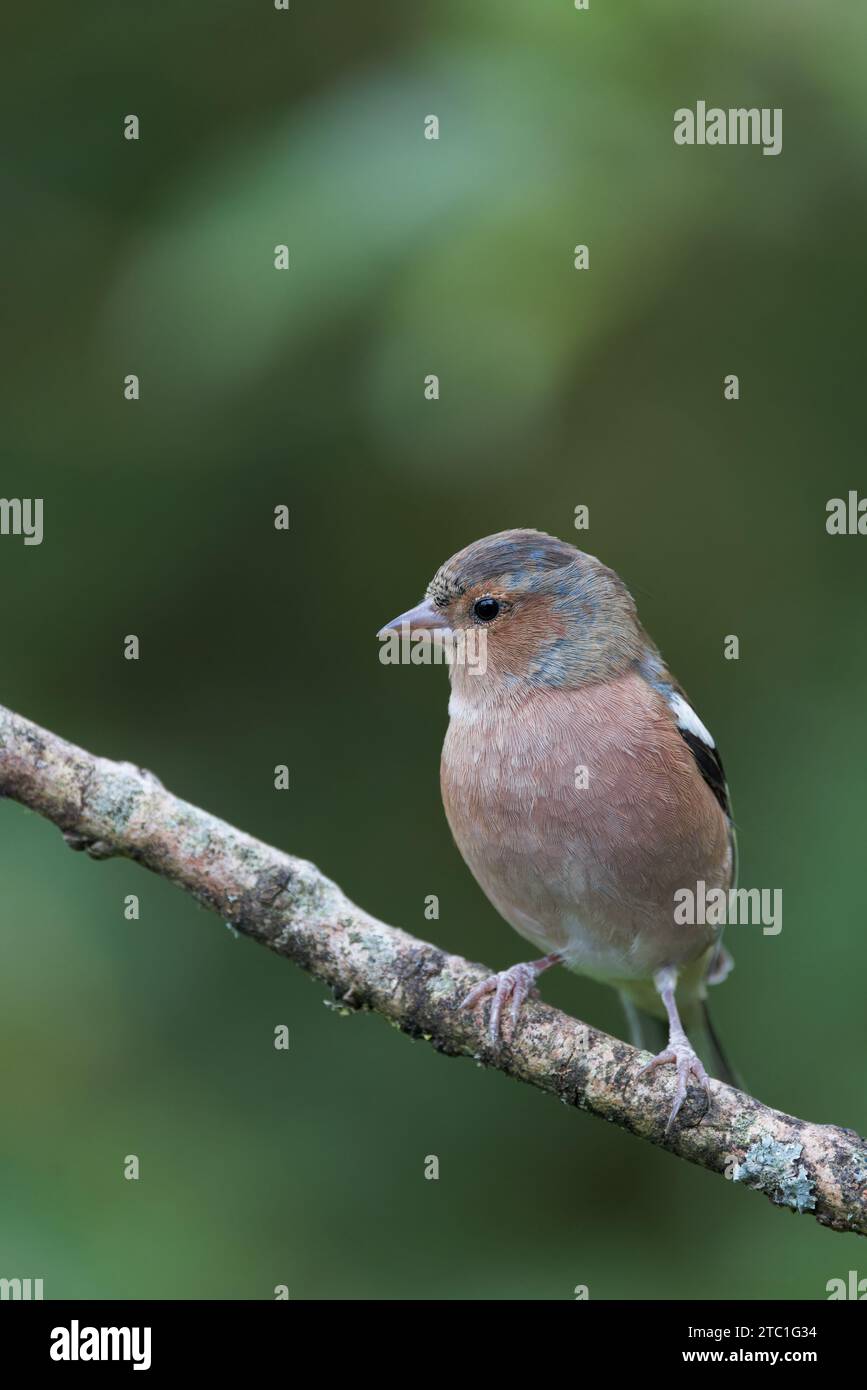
(549, 614)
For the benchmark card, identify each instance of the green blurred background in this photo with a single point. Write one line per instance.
(155, 1037)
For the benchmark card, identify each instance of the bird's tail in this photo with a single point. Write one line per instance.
(721, 1067)
(651, 1034)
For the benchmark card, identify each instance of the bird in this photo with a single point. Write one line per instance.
(581, 788)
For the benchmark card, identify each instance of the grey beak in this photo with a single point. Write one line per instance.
(424, 617)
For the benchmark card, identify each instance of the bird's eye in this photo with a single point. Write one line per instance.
(486, 609)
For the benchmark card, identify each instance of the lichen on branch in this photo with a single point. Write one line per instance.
(107, 808)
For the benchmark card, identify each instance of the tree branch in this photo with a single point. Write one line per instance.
(111, 808)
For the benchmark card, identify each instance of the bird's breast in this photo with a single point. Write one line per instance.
(580, 813)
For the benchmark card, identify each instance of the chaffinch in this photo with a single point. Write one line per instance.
(581, 788)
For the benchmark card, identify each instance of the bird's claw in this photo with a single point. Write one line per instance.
(518, 982)
(685, 1061)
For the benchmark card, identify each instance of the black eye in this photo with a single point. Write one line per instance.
(486, 609)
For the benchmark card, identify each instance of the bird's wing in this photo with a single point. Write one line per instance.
(702, 745)
(707, 759)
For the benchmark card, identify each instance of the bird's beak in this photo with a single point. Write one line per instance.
(424, 617)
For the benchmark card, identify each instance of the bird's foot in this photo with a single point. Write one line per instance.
(682, 1056)
(517, 984)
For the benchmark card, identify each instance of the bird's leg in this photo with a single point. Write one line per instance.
(517, 983)
(679, 1051)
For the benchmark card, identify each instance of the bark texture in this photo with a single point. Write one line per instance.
(108, 808)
